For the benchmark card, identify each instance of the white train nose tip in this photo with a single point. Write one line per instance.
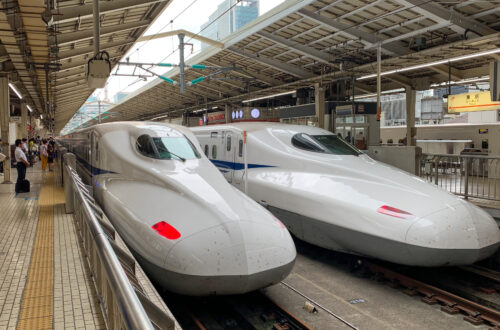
(216, 261)
(456, 235)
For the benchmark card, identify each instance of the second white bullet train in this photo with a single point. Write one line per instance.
(193, 232)
(330, 194)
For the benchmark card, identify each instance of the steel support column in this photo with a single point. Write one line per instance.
(4, 125)
(319, 102)
(24, 120)
(411, 98)
(227, 113)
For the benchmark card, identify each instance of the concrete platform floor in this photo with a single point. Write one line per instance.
(363, 302)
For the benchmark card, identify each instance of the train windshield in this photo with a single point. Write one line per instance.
(329, 144)
(178, 147)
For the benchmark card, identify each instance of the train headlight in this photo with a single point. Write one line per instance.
(166, 230)
(394, 212)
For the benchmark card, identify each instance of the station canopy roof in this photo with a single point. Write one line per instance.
(302, 42)
(58, 39)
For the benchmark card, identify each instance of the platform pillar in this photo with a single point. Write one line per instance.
(227, 113)
(411, 97)
(4, 125)
(24, 120)
(319, 102)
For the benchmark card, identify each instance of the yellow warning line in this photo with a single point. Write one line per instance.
(37, 304)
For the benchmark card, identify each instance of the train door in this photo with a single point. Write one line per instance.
(239, 164)
(228, 156)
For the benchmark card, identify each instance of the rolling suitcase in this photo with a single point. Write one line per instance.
(23, 187)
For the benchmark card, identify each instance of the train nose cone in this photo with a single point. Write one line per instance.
(235, 257)
(456, 235)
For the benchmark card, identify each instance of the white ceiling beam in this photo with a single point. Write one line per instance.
(441, 14)
(71, 13)
(71, 37)
(90, 49)
(302, 49)
(290, 69)
(353, 32)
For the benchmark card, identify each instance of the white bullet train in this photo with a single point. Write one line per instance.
(193, 232)
(330, 194)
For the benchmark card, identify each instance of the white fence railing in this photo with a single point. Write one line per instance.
(465, 175)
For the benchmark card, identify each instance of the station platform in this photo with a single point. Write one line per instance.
(46, 283)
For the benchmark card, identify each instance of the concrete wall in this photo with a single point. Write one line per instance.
(402, 157)
(449, 132)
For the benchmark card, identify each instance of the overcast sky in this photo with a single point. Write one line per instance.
(164, 50)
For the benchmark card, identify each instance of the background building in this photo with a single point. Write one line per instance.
(218, 27)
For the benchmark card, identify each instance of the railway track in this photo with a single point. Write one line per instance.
(473, 312)
(248, 311)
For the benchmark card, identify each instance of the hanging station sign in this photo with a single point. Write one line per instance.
(469, 102)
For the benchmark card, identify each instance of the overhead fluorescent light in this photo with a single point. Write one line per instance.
(426, 65)
(364, 96)
(29, 108)
(41, 116)
(463, 81)
(15, 91)
(268, 97)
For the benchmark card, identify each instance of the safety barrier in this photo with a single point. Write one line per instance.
(465, 175)
(124, 304)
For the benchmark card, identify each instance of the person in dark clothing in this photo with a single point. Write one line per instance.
(22, 164)
(50, 151)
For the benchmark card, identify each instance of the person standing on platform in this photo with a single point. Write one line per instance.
(25, 146)
(52, 142)
(2, 156)
(44, 154)
(50, 157)
(22, 164)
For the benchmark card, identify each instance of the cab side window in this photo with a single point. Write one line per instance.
(228, 147)
(206, 150)
(240, 148)
(214, 151)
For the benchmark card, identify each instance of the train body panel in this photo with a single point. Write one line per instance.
(180, 217)
(347, 201)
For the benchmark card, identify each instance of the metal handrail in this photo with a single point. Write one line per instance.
(129, 305)
(463, 156)
(476, 176)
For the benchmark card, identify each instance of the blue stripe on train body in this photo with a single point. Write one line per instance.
(224, 165)
(92, 169)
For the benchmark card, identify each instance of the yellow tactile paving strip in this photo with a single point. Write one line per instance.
(37, 303)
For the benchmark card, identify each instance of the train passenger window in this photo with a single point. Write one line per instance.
(214, 152)
(206, 150)
(240, 148)
(166, 147)
(228, 140)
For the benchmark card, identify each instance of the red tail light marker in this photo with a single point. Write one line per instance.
(394, 212)
(166, 230)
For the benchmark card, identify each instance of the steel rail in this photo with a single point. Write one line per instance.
(474, 313)
(133, 313)
(350, 325)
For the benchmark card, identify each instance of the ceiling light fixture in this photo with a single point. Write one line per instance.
(15, 91)
(426, 65)
(29, 108)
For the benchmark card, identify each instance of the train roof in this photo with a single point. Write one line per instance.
(259, 126)
(132, 125)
